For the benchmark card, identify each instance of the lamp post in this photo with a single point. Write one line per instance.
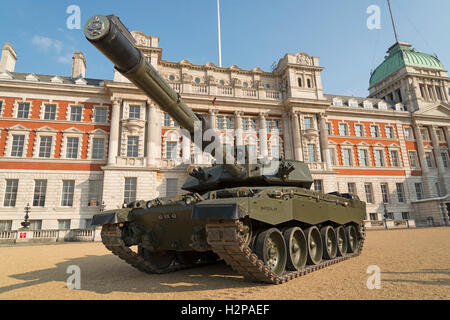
(26, 224)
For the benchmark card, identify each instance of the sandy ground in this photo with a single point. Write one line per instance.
(415, 264)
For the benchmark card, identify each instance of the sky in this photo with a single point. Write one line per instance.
(255, 33)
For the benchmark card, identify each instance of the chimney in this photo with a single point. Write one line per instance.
(78, 65)
(9, 58)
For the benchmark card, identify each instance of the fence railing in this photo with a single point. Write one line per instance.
(36, 236)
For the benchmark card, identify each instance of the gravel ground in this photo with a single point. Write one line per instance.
(414, 263)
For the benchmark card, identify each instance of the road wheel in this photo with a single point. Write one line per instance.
(297, 251)
(329, 242)
(341, 241)
(271, 249)
(314, 243)
(352, 239)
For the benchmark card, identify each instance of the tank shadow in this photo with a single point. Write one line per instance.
(436, 281)
(105, 274)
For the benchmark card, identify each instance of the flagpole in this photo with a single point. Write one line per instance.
(392, 18)
(218, 32)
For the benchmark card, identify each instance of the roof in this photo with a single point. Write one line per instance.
(400, 55)
(55, 79)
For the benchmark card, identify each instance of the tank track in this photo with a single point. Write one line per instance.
(112, 239)
(225, 240)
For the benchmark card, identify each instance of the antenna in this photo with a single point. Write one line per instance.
(218, 32)
(392, 18)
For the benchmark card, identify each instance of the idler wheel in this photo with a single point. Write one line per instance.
(341, 241)
(352, 239)
(329, 241)
(296, 248)
(315, 248)
(271, 249)
(158, 259)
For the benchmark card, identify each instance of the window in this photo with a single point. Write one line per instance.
(308, 123)
(332, 156)
(374, 216)
(269, 125)
(394, 158)
(389, 132)
(17, 146)
(379, 158)
(342, 129)
(166, 120)
(63, 224)
(253, 124)
(50, 112)
(374, 131)
(337, 103)
(419, 190)
(429, 159)
(11, 193)
(363, 160)
(312, 153)
(133, 147)
(1, 108)
(95, 193)
(369, 192)
(101, 115)
(35, 224)
(347, 157)
(385, 192)
(405, 215)
(351, 188)
(87, 223)
(40, 190)
(67, 193)
(245, 124)
(130, 190)
(329, 129)
(134, 112)
(72, 148)
(23, 110)
(408, 133)
(438, 189)
(308, 82)
(440, 135)
(300, 84)
(45, 147)
(359, 130)
(171, 149)
(98, 148)
(75, 113)
(412, 159)
(5, 225)
(229, 123)
(171, 188)
(424, 134)
(400, 192)
(318, 185)
(220, 123)
(444, 156)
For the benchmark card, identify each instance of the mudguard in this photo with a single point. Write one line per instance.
(111, 217)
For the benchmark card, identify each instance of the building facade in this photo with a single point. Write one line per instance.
(72, 146)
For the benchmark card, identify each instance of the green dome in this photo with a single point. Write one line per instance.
(401, 55)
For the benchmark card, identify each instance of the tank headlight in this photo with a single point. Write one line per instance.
(188, 200)
(148, 205)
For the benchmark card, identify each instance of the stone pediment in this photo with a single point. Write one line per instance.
(46, 129)
(441, 110)
(73, 130)
(99, 132)
(18, 127)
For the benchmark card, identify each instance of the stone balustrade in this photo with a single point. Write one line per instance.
(389, 224)
(46, 236)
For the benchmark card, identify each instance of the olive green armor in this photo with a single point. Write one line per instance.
(260, 217)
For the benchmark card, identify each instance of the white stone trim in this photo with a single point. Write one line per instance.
(2, 107)
(16, 108)
(68, 111)
(16, 131)
(44, 132)
(98, 133)
(126, 109)
(366, 147)
(42, 110)
(94, 110)
(394, 134)
(379, 147)
(347, 146)
(172, 136)
(71, 133)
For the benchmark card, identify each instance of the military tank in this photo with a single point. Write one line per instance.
(266, 224)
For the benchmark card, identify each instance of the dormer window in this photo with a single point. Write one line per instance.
(337, 103)
(353, 103)
(368, 105)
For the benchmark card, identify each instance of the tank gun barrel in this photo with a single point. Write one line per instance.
(112, 38)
